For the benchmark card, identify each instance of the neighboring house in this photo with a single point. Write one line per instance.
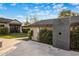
(61, 25)
(14, 26)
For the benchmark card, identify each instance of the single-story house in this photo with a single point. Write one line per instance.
(58, 25)
(14, 26)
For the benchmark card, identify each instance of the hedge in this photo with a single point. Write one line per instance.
(25, 30)
(45, 36)
(74, 39)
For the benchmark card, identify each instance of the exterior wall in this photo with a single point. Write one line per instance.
(3, 24)
(61, 34)
(20, 29)
(6, 25)
(35, 33)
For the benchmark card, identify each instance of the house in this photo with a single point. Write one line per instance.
(14, 26)
(61, 28)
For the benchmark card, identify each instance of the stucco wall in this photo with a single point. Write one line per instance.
(61, 34)
(36, 32)
(6, 25)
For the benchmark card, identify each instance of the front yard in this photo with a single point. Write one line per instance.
(14, 35)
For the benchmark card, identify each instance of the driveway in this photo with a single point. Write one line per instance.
(31, 48)
(7, 44)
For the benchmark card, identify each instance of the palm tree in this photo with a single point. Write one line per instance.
(65, 13)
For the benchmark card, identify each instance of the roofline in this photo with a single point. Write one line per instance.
(18, 21)
(39, 25)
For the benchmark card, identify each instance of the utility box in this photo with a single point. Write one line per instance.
(61, 33)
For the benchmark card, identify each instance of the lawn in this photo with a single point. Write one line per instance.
(14, 35)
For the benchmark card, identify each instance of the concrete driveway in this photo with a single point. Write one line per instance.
(31, 48)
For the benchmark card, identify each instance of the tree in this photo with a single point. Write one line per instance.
(26, 22)
(33, 19)
(65, 13)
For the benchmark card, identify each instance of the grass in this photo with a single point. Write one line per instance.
(14, 35)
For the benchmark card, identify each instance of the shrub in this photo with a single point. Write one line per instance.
(3, 30)
(30, 33)
(74, 39)
(25, 30)
(45, 36)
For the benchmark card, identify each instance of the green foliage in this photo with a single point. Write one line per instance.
(3, 30)
(25, 30)
(30, 33)
(75, 39)
(45, 36)
(65, 13)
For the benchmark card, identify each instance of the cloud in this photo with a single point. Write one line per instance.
(2, 7)
(77, 7)
(56, 6)
(26, 8)
(49, 16)
(13, 4)
(44, 14)
(21, 18)
(1, 4)
(74, 4)
(2, 15)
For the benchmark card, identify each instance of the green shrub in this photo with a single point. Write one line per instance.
(45, 36)
(75, 39)
(30, 34)
(25, 30)
(3, 30)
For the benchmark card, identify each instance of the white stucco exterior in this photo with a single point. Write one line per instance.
(35, 33)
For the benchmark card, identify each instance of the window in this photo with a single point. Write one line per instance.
(1, 25)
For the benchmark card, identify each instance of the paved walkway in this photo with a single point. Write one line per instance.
(8, 44)
(31, 48)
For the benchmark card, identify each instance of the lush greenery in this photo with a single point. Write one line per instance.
(45, 36)
(75, 39)
(65, 13)
(25, 30)
(3, 30)
(13, 35)
(30, 34)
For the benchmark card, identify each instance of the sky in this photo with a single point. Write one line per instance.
(23, 11)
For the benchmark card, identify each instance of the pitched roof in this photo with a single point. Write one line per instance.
(49, 22)
(42, 23)
(5, 20)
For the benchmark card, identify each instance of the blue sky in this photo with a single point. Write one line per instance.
(21, 11)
